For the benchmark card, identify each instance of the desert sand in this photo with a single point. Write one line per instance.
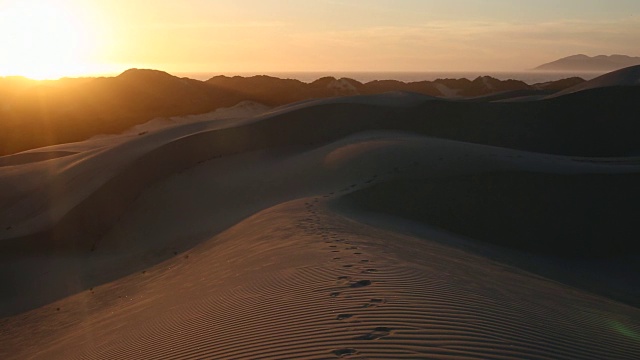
(364, 227)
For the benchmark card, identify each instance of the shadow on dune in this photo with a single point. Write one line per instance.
(580, 229)
(599, 122)
(25, 158)
(592, 123)
(586, 215)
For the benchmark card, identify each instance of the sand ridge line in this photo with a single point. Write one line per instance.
(423, 300)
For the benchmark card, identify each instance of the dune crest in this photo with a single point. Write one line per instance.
(629, 76)
(395, 225)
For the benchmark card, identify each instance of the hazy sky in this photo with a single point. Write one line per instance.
(332, 35)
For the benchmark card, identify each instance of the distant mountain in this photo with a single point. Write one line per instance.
(587, 63)
(40, 113)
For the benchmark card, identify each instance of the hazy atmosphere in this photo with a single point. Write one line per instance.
(108, 36)
(319, 180)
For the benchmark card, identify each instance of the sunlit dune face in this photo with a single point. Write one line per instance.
(43, 39)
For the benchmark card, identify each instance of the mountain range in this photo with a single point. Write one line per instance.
(586, 63)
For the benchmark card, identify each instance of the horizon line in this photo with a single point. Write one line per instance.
(183, 74)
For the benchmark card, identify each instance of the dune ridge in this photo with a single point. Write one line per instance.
(629, 76)
(338, 290)
(315, 230)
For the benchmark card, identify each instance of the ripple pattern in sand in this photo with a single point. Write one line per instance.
(354, 297)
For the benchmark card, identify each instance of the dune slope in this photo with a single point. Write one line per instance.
(560, 214)
(257, 237)
(298, 282)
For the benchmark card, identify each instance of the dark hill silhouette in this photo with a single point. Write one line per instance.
(50, 113)
(560, 85)
(269, 90)
(382, 86)
(485, 85)
(42, 113)
(274, 91)
(583, 62)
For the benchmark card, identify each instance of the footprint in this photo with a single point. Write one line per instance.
(335, 294)
(347, 266)
(345, 352)
(361, 283)
(364, 260)
(374, 303)
(343, 316)
(377, 333)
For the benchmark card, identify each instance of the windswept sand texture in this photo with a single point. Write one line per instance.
(360, 227)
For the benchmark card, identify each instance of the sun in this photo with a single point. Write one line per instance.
(43, 39)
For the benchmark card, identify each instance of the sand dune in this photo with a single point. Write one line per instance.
(29, 157)
(38, 114)
(313, 285)
(353, 227)
(629, 76)
(566, 214)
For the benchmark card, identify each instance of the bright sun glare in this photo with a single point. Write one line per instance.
(43, 39)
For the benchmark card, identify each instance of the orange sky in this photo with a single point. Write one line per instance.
(53, 38)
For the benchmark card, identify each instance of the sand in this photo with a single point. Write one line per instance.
(629, 76)
(243, 237)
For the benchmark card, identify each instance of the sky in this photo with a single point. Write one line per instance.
(52, 38)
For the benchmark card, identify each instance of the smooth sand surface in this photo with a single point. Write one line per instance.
(241, 239)
(629, 76)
